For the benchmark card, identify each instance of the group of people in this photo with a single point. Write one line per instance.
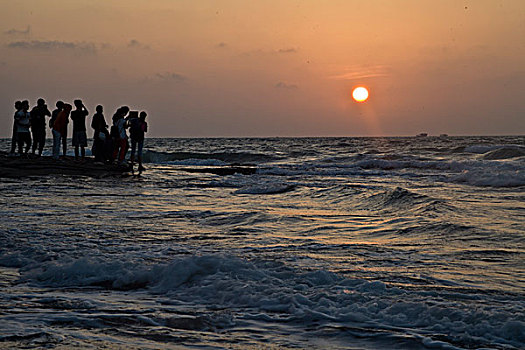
(108, 145)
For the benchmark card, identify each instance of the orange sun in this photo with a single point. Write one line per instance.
(360, 94)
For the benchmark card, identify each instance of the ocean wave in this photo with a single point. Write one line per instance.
(273, 292)
(482, 148)
(397, 198)
(507, 152)
(266, 188)
(494, 178)
(224, 157)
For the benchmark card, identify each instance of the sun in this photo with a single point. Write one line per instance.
(360, 94)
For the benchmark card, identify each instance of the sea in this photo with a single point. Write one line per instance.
(332, 243)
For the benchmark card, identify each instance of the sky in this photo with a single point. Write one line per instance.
(246, 68)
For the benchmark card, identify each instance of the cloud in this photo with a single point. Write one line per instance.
(262, 53)
(49, 45)
(170, 76)
(135, 44)
(288, 50)
(362, 72)
(283, 85)
(13, 31)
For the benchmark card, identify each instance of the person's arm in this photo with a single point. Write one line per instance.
(47, 112)
(27, 121)
(53, 118)
(33, 113)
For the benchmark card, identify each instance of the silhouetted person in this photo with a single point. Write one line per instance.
(132, 117)
(60, 107)
(14, 138)
(100, 135)
(118, 134)
(23, 123)
(60, 129)
(78, 116)
(38, 125)
(137, 128)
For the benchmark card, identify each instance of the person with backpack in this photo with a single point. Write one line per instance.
(60, 129)
(119, 136)
(38, 125)
(54, 115)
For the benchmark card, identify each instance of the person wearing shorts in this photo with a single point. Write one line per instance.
(79, 128)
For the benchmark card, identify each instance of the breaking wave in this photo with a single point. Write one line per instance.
(505, 153)
(272, 292)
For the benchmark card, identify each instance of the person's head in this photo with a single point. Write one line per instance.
(18, 105)
(78, 104)
(67, 107)
(143, 115)
(99, 109)
(60, 104)
(41, 102)
(25, 105)
(134, 114)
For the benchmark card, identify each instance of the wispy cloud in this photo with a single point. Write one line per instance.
(288, 50)
(362, 72)
(49, 45)
(13, 31)
(135, 44)
(261, 53)
(170, 76)
(283, 85)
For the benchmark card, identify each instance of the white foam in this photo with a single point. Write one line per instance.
(493, 178)
(273, 290)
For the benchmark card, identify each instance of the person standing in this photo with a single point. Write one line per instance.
(54, 115)
(14, 138)
(78, 116)
(23, 123)
(120, 138)
(38, 125)
(137, 128)
(60, 129)
(100, 135)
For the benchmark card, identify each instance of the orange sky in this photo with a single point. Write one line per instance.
(273, 68)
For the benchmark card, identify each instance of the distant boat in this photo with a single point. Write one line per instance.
(423, 134)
